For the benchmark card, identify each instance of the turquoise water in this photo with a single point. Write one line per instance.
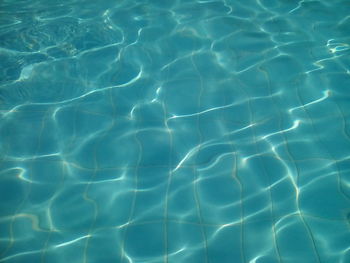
(175, 131)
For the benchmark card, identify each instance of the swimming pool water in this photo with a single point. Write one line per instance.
(175, 131)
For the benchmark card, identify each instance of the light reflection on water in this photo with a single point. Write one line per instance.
(174, 131)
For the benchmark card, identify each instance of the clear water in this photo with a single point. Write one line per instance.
(175, 131)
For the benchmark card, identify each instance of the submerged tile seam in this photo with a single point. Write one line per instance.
(307, 227)
(95, 170)
(134, 198)
(236, 179)
(257, 149)
(61, 184)
(169, 182)
(195, 189)
(20, 206)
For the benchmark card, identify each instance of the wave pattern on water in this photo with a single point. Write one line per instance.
(174, 131)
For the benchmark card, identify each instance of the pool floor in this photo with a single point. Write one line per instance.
(174, 131)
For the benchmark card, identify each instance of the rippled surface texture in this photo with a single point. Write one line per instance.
(175, 131)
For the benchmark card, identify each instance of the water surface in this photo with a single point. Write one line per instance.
(174, 131)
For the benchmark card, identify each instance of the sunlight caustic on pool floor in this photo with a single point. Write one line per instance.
(174, 131)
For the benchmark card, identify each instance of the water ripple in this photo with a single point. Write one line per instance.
(174, 131)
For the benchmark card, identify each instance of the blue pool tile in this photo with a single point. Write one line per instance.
(174, 131)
